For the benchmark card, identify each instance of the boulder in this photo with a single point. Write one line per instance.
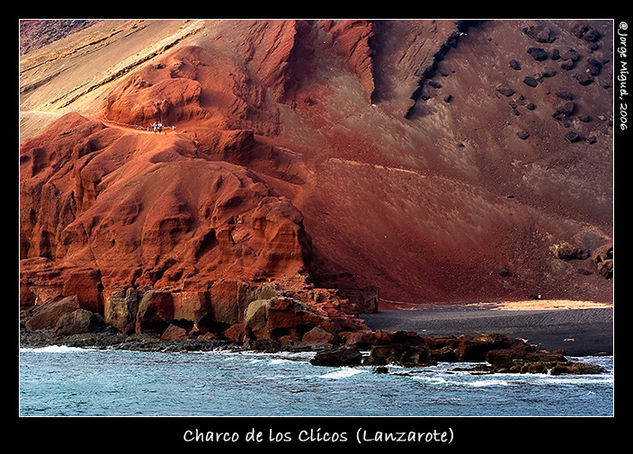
(566, 251)
(173, 332)
(572, 136)
(276, 317)
(359, 339)
(346, 356)
(255, 320)
(46, 315)
(503, 271)
(236, 333)
(537, 53)
(193, 306)
(401, 354)
(287, 313)
(564, 110)
(530, 81)
(155, 312)
(576, 368)
(475, 347)
(317, 335)
(121, 308)
(77, 322)
(505, 91)
(548, 72)
(584, 79)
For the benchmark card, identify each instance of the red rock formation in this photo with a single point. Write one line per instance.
(352, 40)
(374, 158)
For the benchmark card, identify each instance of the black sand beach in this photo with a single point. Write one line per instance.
(578, 332)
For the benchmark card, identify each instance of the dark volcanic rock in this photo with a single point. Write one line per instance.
(584, 79)
(566, 251)
(564, 110)
(523, 135)
(572, 55)
(475, 347)
(515, 65)
(401, 354)
(347, 356)
(548, 73)
(505, 91)
(537, 53)
(572, 136)
(503, 271)
(540, 33)
(530, 81)
(568, 65)
(564, 94)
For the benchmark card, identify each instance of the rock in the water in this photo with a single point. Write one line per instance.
(401, 354)
(346, 356)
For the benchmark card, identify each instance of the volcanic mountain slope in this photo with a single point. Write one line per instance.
(438, 161)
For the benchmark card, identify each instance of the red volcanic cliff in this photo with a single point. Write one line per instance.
(428, 161)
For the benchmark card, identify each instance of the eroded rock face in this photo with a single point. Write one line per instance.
(155, 312)
(279, 316)
(180, 224)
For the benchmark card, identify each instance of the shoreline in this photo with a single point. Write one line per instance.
(577, 328)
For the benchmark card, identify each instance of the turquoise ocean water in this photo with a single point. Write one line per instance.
(65, 381)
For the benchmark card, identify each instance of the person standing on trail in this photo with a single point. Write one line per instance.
(160, 128)
(154, 126)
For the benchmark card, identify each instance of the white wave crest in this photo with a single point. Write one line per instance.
(56, 349)
(343, 372)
